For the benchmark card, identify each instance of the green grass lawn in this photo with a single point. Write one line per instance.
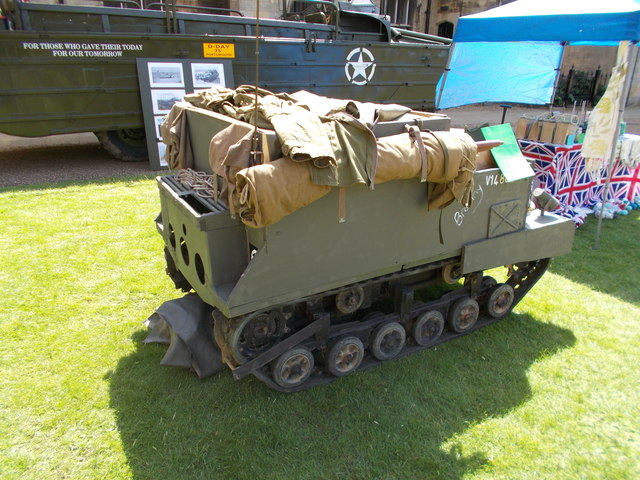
(552, 391)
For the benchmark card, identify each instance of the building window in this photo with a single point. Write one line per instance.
(401, 12)
(445, 29)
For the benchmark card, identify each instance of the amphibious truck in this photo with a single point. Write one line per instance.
(72, 68)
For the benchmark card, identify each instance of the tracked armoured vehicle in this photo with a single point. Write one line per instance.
(355, 278)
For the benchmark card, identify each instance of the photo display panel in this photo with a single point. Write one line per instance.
(165, 82)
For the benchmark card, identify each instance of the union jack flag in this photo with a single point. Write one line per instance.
(625, 183)
(545, 167)
(561, 171)
(574, 182)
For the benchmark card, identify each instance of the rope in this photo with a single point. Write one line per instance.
(202, 184)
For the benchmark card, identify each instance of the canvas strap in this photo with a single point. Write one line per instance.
(416, 138)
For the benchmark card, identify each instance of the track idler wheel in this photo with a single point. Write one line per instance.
(387, 341)
(463, 315)
(292, 368)
(344, 356)
(255, 333)
(427, 328)
(499, 300)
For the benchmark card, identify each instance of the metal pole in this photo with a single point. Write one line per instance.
(444, 78)
(567, 90)
(174, 16)
(428, 19)
(631, 59)
(555, 83)
(255, 155)
(422, 36)
(505, 107)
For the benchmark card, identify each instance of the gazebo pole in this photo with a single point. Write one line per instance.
(631, 60)
(558, 71)
(444, 77)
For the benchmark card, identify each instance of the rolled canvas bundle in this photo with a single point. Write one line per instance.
(450, 162)
(266, 193)
(269, 192)
(326, 143)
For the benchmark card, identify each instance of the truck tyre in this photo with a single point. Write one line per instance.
(128, 145)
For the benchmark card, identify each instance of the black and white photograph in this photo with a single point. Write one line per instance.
(158, 121)
(207, 75)
(162, 148)
(163, 100)
(166, 74)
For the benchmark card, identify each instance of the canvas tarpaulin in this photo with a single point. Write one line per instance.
(349, 153)
(332, 134)
(266, 193)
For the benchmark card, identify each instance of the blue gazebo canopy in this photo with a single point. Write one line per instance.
(513, 53)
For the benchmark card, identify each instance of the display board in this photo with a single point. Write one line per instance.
(165, 82)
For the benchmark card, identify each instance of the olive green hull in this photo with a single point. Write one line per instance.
(388, 230)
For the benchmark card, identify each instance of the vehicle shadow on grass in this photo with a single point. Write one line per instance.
(395, 421)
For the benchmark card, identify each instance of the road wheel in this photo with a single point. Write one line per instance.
(499, 300)
(428, 327)
(463, 315)
(345, 356)
(292, 368)
(388, 341)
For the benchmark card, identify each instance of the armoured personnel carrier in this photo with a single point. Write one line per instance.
(355, 278)
(72, 68)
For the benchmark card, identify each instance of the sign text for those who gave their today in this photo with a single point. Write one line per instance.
(219, 50)
(74, 49)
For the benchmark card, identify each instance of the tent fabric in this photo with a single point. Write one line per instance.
(553, 20)
(583, 28)
(480, 75)
(490, 35)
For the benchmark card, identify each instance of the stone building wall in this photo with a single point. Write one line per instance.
(589, 58)
(442, 11)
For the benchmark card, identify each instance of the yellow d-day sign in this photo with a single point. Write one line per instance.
(219, 50)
